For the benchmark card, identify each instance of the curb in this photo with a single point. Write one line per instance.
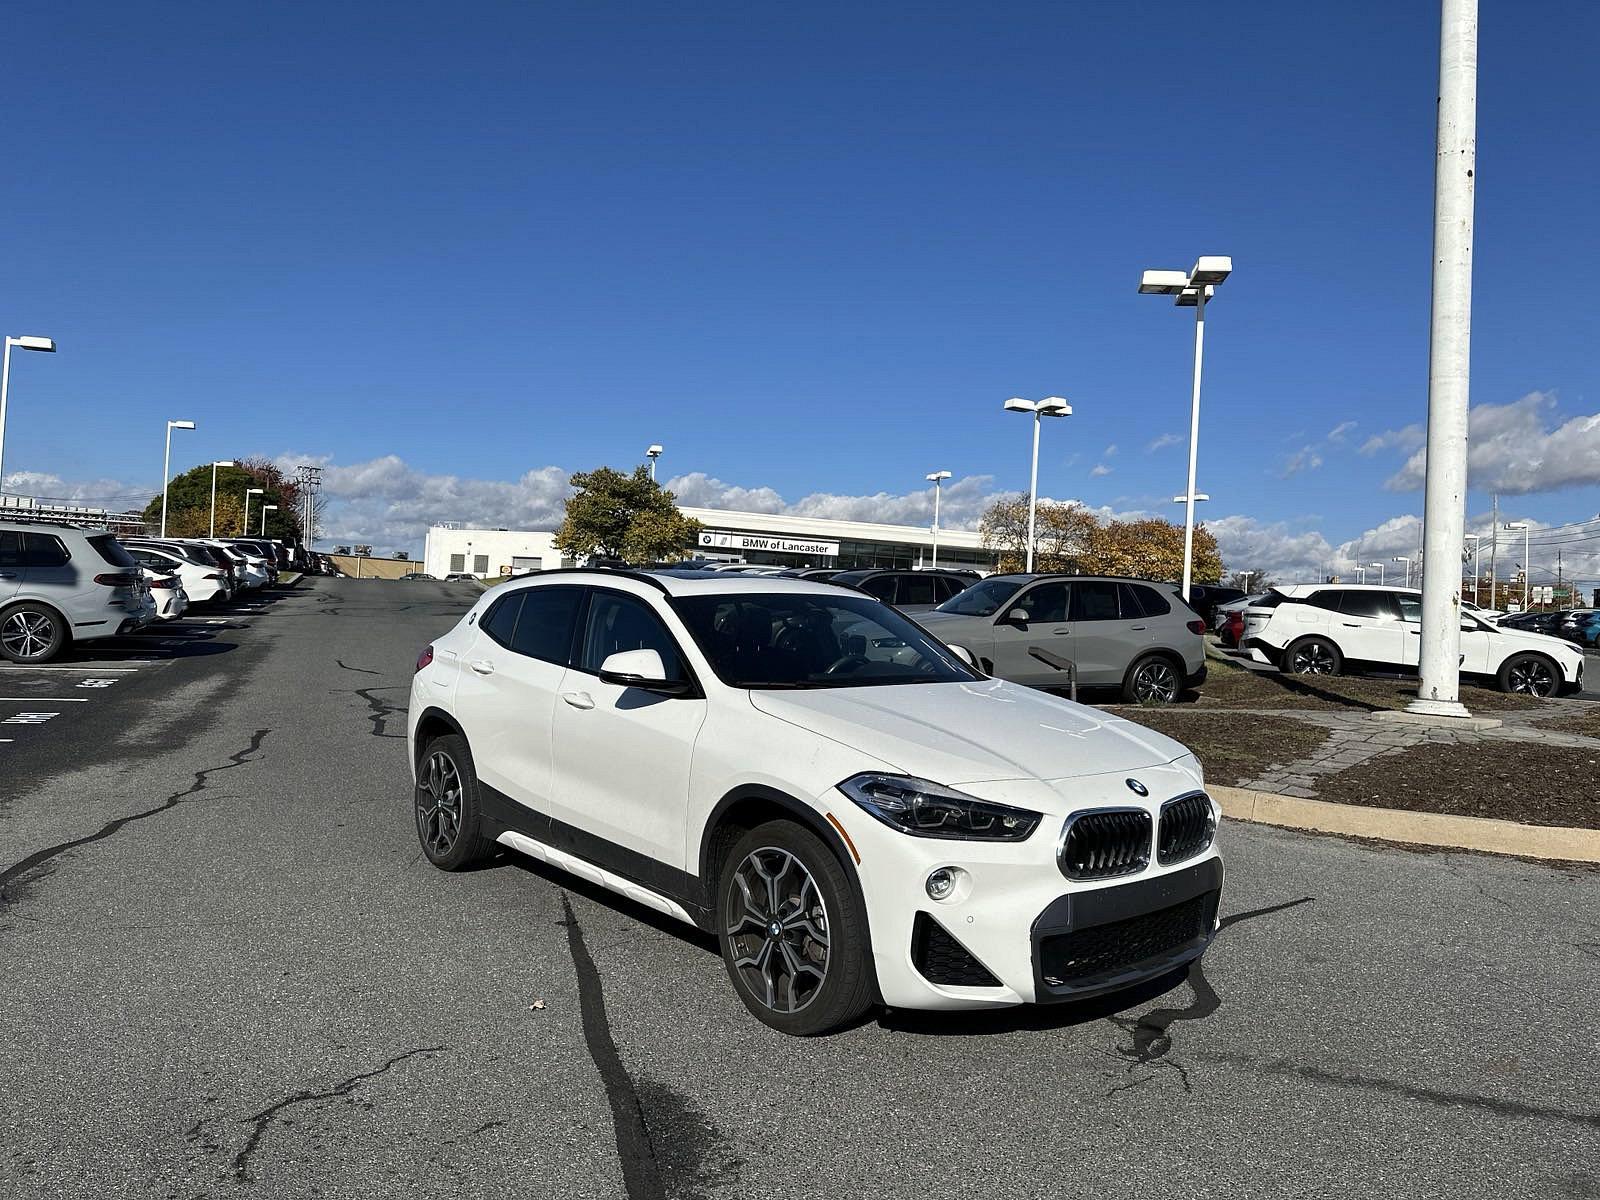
(1483, 834)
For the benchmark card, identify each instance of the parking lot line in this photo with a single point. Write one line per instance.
(44, 699)
(88, 670)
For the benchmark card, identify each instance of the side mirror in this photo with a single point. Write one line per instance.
(642, 669)
(964, 655)
(1017, 616)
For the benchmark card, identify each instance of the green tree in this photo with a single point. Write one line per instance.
(1068, 537)
(1063, 533)
(628, 517)
(189, 502)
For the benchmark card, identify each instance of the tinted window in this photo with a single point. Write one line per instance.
(881, 586)
(1151, 601)
(1410, 606)
(787, 640)
(1366, 604)
(916, 589)
(1094, 600)
(617, 623)
(981, 599)
(1327, 600)
(544, 630)
(948, 587)
(108, 548)
(1044, 602)
(10, 548)
(43, 550)
(500, 622)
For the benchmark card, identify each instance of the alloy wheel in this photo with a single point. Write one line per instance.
(777, 924)
(1532, 677)
(1312, 659)
(28, 634)
(1156, 683)
(439, 803)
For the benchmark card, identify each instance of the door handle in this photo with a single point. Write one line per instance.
(1349, 624)
(578, 699)
(483, 667)
(1061, 632)
(1137, 628)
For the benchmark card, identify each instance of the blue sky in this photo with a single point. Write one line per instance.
(810, 251)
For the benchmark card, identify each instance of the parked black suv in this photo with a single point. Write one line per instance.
(909, 591)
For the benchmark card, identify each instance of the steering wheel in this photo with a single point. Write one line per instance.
(847, 663)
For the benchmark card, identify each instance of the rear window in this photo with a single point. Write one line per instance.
(43, 550)
(544, 630)
(112, 551)
(1151, 601)
(500, 622)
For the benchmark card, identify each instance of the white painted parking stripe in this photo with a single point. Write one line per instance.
(44, 699)
(88, 670)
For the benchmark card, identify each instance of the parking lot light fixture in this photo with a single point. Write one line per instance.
(225, 462)
(1379, 565)
(1402, 559)
(22, 343)
(244, 526)
(1527, 567)
(1198, 498)
(1191, 289)
(166, 469)
(653, 453)
(937, 478)
(265, 509)
(1050, 406)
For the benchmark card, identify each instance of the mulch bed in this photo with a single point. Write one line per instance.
(1513, 781)
(1586, 724)
(1232, 749)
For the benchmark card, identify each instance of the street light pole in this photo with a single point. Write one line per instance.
(1449, 360)
(24, 343)
(937, 478)
(653, 453)
(1475, 539)
(227, 462)
(244, 526)
(1399, 559)
(1193, 289)
(265, 509)
(1527, 567)
(1379, 565)
(166, 469)
(1050, 406)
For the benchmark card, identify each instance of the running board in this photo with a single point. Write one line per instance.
(597, 875)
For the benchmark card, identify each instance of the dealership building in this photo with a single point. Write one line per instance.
(766, 538)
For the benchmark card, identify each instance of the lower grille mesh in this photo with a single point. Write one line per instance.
(1084, 954)
(941, 959)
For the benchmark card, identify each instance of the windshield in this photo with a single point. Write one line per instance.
(981, 599)
(779, 640)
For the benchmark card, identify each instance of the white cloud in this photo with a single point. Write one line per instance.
(1109, 450)
(960, 506)
(1162, 442)
(1516, 448)
(1304, 459)
(93, 493)
(1098, 470)
(1340, 431)
(1408, 438)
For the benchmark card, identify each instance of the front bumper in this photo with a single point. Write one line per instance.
(1005, 936)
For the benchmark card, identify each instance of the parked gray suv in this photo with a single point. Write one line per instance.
(1126, 633)
(60, 584)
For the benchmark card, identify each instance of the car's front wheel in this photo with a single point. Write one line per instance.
(793, 931)
(1153, 679)
(1313, 656)
(31, 633)
(1529, 675)
(448, 814)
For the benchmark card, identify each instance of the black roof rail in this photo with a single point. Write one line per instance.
(624, 572)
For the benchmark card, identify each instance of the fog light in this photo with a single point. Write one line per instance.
(941, 883)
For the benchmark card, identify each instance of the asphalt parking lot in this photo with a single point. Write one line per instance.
(228, 971)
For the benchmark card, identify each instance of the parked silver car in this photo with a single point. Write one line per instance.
(1126, 633)
(60, 584)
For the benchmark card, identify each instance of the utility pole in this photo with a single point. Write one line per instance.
(1494, 551)
(1449, 359)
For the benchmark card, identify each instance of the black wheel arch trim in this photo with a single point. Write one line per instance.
(434, 712)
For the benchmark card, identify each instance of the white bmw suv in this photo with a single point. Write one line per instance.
(1317, 629)
(856, 813)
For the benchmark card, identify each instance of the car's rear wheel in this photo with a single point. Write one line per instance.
(793, 931)
(31, 633)
(1313, 656)
(1153, 679)
(448, 814)
(1529, 675)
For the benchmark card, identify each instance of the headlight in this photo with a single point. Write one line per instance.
(925, 809)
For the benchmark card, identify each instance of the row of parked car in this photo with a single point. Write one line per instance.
(60, 584)
(1580, 626)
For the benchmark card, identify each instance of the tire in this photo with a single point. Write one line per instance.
(1530, 675)
(829, 933)
(449, 819)
(1152, 680)
(1313, 656)
(32, 633)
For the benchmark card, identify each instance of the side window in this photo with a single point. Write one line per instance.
(1152, 601)
(948, 586)
(10, 548)
(617, 623)
(881, 586)
(1130, 601)
(1327, 600)
(544, 630)
(1367, 604)
(916, 589)
(1410, 607)
(1044, 602)
(500, 622)
(1094, 600)
(43, 550)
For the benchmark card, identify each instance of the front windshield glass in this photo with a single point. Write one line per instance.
(981, 599)
(783, 640)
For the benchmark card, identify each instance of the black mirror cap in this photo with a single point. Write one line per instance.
(665, 687)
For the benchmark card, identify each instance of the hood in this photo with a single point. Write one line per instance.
(988, 730)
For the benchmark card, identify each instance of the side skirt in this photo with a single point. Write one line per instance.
(587, 870)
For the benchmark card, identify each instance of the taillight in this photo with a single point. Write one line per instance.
(425, 657)
(1197, 626)
(115, 579)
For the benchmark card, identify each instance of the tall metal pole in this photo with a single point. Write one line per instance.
(1494, 553)
(1033, 490)
(5, 389)
(936, 490)
(166, 470)
(213, 499)
(1449, 359)
(1194, 439)
(1527, 567)
(243, 532)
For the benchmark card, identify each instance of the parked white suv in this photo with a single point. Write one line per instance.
(60, 584)
(1316, 629)
(857, 814)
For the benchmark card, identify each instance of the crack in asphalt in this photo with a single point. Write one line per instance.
(641, 1172)
(357, 670)
(381, 711)
(201, 781)
(264, 1118)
